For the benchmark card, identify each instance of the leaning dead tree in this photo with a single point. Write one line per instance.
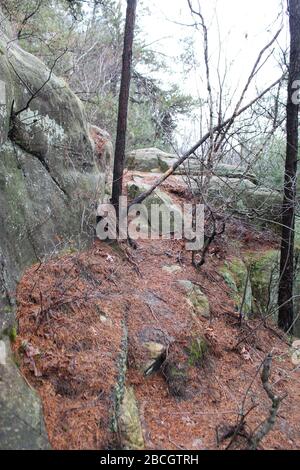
(123, 104)
(286, 282)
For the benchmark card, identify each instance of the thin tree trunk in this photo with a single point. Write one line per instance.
(285, 293)
(123, 104)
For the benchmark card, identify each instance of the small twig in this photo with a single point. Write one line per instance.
(152, 312)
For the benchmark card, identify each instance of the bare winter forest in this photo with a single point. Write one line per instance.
(149, 226)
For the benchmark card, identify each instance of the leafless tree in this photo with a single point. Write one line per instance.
(123, 104)
(285, 294)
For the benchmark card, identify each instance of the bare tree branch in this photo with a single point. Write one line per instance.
(193, 149)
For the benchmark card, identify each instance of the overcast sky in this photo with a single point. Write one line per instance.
(237, 31)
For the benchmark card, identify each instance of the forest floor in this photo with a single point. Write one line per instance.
(71, 313)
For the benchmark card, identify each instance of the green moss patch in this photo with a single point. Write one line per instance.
(197, 351)
(235, 274)
(264, 276)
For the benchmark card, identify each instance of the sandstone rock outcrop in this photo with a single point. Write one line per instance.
(54, 169)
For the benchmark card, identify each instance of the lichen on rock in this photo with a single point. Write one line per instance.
(196, 298)
(155, 355)
(22, 423)
(129, 424)
(51, 181)
(172, 269)
(235, 274)
(264, 276)
(197, 351)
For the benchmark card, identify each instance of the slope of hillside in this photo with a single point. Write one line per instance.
(92, 323)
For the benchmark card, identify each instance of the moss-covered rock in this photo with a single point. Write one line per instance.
(6, 94)
(155, 354)
(197, 351)
(176, 375)
(235, 274)
(196, 298)
(155, 160)
(264, 276)
(22, 424)
(129, 424)
(257, 204)
(233, 171)
(52, 177)
(51, 172)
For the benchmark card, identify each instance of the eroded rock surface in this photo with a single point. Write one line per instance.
(54, 169)
(130, 428)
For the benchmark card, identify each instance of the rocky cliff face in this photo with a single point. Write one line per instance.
(54, 168)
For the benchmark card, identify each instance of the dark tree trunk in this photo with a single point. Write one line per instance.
(285, 294)
(123, 104)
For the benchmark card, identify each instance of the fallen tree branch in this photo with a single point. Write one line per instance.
(266, 426)
(254, 438)
(200, 142)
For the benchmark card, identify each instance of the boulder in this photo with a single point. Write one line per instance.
(155, 350)
(149, 160)
(262, 203)
(155, 161)
(244, 198)
(172, 269)
(194, 168)
(231, 185)
(48, 161)
(155, 356)
(104, 151)
(264, 277)
(235, 171)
